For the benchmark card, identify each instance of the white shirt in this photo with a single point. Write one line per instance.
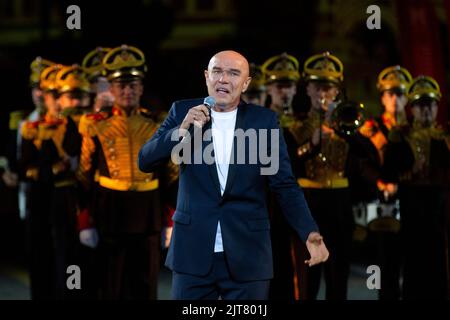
(223, 124)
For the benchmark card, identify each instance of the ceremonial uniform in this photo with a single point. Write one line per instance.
(324, 178)
(46, 153)
(16, 120)
(420, 156)
(369, 178)
(72, 91)
(289, 282)
(124, 205)
(14, 178)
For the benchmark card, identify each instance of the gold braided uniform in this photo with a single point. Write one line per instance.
(420, 156)
(289, 251)
(124, 204)
(324, 181)
(326, 168)
(120, 137)
(49, 151)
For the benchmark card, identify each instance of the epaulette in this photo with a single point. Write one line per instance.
(369, 128)
(32, 124)
(145, 112)
(88, 121)
(30, 129)
(98, 116)
(51, 123)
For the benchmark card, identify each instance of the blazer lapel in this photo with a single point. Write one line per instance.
(212, 167)
(240, 117)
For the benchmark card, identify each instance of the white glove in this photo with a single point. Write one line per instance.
(11, 179)
(89, 237)
(103, 99)
(166, 235)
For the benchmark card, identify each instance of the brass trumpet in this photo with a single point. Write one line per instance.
(347, 117)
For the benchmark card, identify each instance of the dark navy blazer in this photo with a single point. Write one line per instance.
(242, 209)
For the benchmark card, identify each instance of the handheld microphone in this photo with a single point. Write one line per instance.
(209, 102)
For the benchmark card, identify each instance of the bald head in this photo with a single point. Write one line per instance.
(231, 55)
(226, 78)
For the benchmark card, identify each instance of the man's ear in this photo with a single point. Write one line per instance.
(247, 83)
(206, 73)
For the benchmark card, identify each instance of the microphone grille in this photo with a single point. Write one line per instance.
(209, 102)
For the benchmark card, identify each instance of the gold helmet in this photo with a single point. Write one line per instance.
(283, 67)
(36, 68)
(72, 78)
(48, 77)
(394, 77)
(324, 67)
(92, 63)
(424, 86)
(258, 83)
(124, 62)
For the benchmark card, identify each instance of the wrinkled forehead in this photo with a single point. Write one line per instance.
(228, 62)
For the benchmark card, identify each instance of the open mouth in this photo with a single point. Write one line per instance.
(222, 91)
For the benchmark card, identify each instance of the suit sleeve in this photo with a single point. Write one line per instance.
(158, 149)
(288, 193)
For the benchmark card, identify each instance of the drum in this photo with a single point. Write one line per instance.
(376, 216)
(383, 216)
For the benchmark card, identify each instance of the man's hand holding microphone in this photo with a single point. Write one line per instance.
(197, 116)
